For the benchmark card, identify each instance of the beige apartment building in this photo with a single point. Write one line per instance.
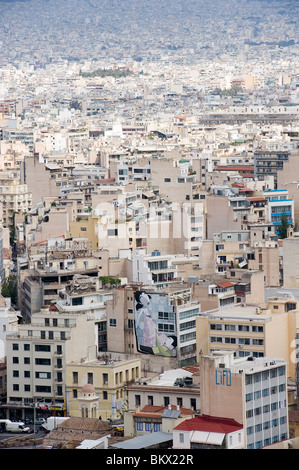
(85, 226)
(265, 257)
(14, 195)
(287, 179)
(39, 178)
(290, 257)
(251, 330)
(175, 178)
(97, 388)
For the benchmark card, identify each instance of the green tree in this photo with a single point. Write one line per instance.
(10, 288)
(110, 280)
(283, 227)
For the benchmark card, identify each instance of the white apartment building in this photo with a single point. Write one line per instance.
(253, 392)
(279, 203)
(8, 323)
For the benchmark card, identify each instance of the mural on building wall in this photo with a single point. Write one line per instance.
(155, 325)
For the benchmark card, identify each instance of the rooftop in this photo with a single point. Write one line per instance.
(210, 424)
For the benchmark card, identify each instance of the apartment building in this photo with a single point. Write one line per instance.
(85, 226)
(267, 162)
(39, 178)
(175, 178)
(174, 387)
(290, 259)
(208, 432)
(128, 172)
(24, 135)
(15, 197)
(265, 257)
(250, 331)
(151, 419)
(50, 272)
(286, 180)
(278, 204)
(96, 388)
(85, 294)
(230, 249)
(37, 355)
(253, 392)
(8, 323)
(155, 270)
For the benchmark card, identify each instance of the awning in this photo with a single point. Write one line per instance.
(205, 437)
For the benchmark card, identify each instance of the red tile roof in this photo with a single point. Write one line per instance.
(225, 284)
(192, 369)
(152, 410)
(210, 424)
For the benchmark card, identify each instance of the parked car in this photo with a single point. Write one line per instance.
(40, 421)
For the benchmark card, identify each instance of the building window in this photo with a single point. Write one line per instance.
(166, 401)
(148, 427)
(137, 400)
(179, 401)
(42, 362)
(181, 437)
(112, 322)
(75, 377)
(139, 426)
(105, 379)
(193, 403)
(157, 427)
(150, 400)
(105, 395)
(90, 378)
(43, 347)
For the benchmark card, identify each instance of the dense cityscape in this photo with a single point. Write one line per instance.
(149, 237)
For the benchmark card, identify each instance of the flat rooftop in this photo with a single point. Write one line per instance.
(240, 311)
